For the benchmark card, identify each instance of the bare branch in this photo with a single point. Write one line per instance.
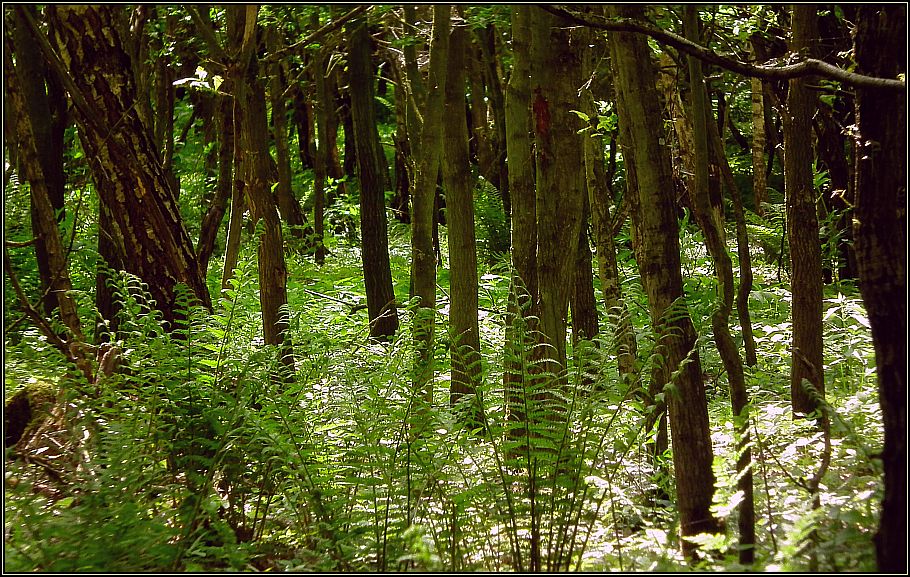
(796, 67)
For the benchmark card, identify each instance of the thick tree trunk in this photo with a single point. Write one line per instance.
(125, 165)
(879, 228)
(373, 222)
(456, 173)
(660, 269)
(802, 228)
(555, 78)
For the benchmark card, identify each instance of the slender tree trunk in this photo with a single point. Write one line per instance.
(40, 107)
(879, 229)
(125, 165)
(423, 259)
(582, 303)
(802, 228)
(456, 173)
(373, 222)
(487, 37)
(44, 220)
(251, 122)
(720, 319)
(759, 182)
(321, 156)
(288, 204)
(600, 197)
(523, 286)
(657, 414)
(214, 216)
(661, 276)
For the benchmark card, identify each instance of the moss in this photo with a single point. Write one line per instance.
(25, 408)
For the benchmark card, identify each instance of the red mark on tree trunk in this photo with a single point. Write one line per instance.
(541, 113)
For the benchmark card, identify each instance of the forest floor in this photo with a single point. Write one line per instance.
(323, 473)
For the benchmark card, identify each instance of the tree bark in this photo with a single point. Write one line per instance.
(555, 78)
(44, 105)
(44, 221)
(125, 165)
(723, 265)
(251, 123)
(456, 173)
(600, 198)
(214, 216)
(661, 276)
(288, 204)
(423, 259)
(879, 227)
(802, 228)
(373, 222)
(521, 317)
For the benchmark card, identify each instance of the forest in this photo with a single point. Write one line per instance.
(454, 288)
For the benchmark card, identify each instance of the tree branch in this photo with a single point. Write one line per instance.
(796, 67)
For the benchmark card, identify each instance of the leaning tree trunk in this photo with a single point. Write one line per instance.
(44, 220)
(373, 222)
(879, 227)
(660, 268)
(126, 167)
(214, 216)
(802, 229)
(42, 98)
(288, 205)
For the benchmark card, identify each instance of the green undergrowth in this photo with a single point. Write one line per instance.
(202, 453)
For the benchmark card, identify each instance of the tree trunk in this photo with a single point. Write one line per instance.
(522, 314)
(288, 204)
(487, 38)
(423, 259)
(251, 122)
(723, 265)
(660, 268)
(555, 78)
(44, 221)
(879, 228)
(802, 228)
(456, 173)
(373, 222)
(583, 305)
(126, 167)
(321, 155)
(600, 197)
(41, 106)
(214, 216)
(759, 182)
